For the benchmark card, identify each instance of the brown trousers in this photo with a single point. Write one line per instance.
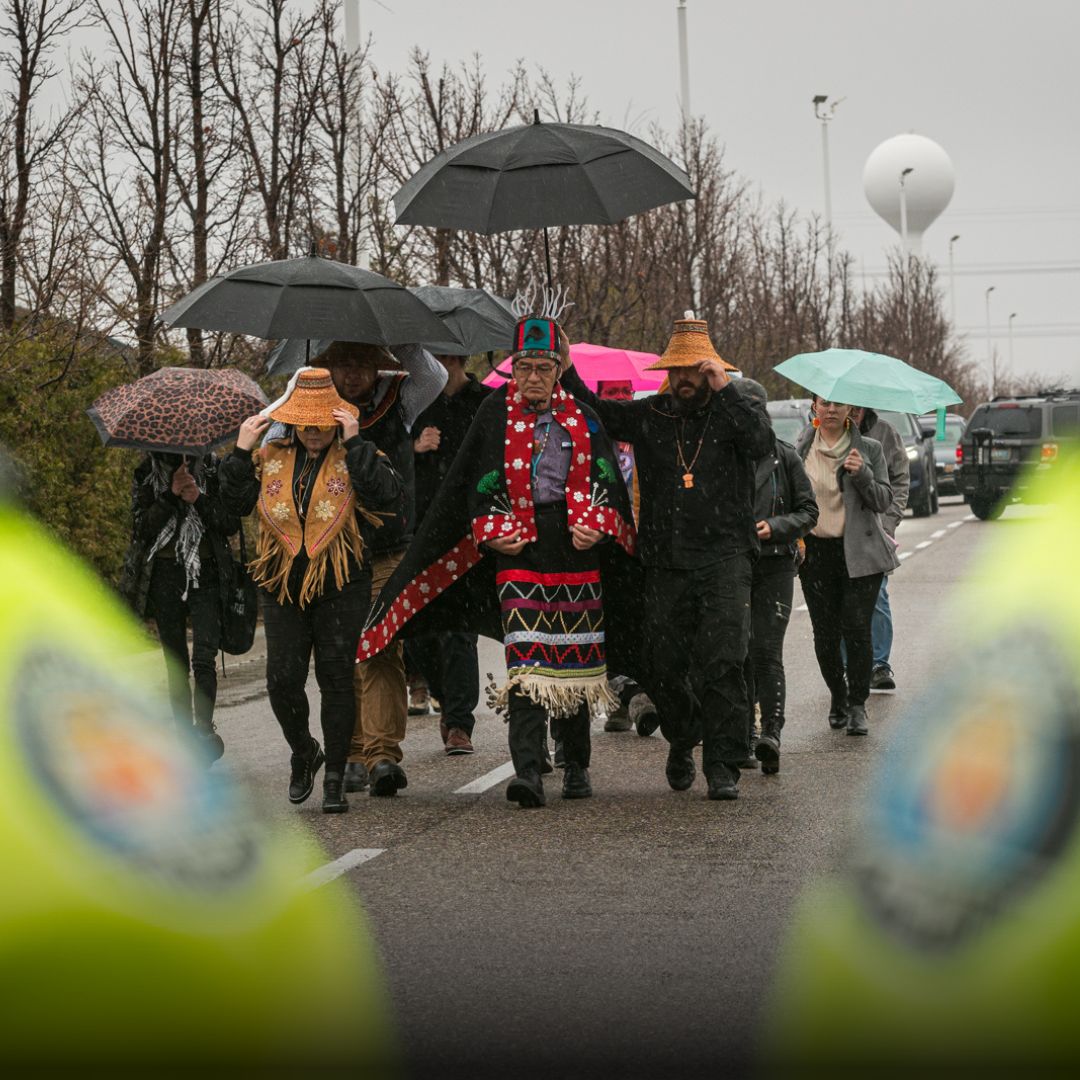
(381, 698)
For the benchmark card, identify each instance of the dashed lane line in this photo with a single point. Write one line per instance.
(938, 535)
(488, 780)
(335, 869)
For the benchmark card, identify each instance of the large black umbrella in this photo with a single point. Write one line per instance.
(481, 321)
(539, 175)
(309, 297)
(177, 410)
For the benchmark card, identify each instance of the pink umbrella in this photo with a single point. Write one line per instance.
(598, 363)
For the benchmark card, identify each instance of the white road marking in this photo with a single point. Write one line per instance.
(955, 524)
(338, 867)
(938, 535)
(906, 555)
(488, 780)
(924, 544)
(970, 517)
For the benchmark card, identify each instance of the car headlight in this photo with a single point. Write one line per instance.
(912, 453)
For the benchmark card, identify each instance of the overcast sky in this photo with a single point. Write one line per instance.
(995, 82)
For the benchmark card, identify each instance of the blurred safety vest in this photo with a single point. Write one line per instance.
(146, 918)
(954, 938)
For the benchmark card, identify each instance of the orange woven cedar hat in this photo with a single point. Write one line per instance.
(688, 346)
(309, 400)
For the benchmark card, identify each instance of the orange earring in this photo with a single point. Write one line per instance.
(847, 424)
(816, 422)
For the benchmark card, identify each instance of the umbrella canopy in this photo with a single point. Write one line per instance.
(177, 410)
(538, 175)
(598, 363)
(872, 380)
(480, 320)
(309, 297)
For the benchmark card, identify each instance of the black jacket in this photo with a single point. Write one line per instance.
(679, 527)
(452, 415)
(784, 498)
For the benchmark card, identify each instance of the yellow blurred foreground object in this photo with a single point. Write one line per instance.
(145, 918)
(955, 938)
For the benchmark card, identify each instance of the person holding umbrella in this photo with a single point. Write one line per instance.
(847, 554)
(318, 492)
(694, 449)
(179, 570)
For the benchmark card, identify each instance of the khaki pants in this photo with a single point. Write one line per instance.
(381, 698)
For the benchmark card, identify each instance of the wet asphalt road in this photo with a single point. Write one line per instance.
(634, 933)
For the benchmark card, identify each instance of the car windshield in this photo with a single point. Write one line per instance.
(788, 427)
(1019, 421)
(900, 421)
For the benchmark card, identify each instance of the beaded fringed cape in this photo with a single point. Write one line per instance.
(560, 625)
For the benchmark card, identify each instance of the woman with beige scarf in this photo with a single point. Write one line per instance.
(847, 554)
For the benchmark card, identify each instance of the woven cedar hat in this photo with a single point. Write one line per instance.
(309, 400)
(688, 346)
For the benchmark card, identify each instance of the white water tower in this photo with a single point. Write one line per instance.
(909, 173)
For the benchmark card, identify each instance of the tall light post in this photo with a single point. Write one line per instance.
(903, 211)
(352, 47)
(1011, 317)
(952, 278)
(989, 346)
(684, 65)
(825, 114)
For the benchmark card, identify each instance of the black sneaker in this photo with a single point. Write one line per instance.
(356, 777)
(527, 791)
(333, 798)
(680, 771)
(575, 782)
(304, 767)
(882, 678)
(387, 778)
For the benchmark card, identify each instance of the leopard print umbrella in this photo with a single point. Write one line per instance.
(177, 410)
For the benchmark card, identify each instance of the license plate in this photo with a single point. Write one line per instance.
(1004, 454)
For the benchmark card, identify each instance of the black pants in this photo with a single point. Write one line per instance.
(841, 609)
(696, 633)
(771, 592)
(171, 613)
(449, 664)
(329, 625)
(528, 730)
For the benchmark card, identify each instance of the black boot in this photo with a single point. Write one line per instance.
(680, 769)
(575, 782)
(838, 711)
(356, 777)
(767, 750)
(303, 770)
(387, 778)
(527, 791)
(724, 785)
(333, 798)
(856, 721)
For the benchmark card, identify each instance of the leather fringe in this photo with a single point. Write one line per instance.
(560, 697)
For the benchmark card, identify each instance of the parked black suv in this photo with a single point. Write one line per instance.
(1008, 440)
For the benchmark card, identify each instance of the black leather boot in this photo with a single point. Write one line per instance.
(575, 782)
(856, 721)
(680, 771)
(303, 770)
(838, 711)
(333, 797)
(725, 784)
(527, 791)
(767, 750)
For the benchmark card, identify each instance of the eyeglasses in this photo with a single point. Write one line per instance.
(522, 367)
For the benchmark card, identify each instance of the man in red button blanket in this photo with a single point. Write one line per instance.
(529, 540)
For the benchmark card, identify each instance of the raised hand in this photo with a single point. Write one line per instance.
(853, 462)
(251, 432)
(350, 425)
(716, 374)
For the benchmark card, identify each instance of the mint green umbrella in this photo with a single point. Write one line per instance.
(875, 381)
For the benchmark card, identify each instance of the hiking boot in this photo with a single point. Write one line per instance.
(387, 778)
(882, 678)
(856, 721)
(333, 798)
(680, 771)
(527, 791)
(356, 777)
(724, 786)
(303, 769)
(767, 751)
(643, 715)
(575, 782)
(457, 742)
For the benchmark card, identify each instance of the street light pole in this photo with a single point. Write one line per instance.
(1011, 317)
(825, 115)
(684, 64)
(903, 212)
(989, 346)
(352, 47)
(952, 278)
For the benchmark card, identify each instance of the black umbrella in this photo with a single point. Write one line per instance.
(539, 175)
(482, 321)
(309, 297)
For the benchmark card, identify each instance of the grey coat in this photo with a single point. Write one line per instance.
(867, 495)
(896, 461)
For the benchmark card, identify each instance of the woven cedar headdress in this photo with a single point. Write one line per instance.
(538, 311)
(688, 346)
(309, 400)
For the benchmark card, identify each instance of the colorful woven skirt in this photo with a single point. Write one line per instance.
(553, 622)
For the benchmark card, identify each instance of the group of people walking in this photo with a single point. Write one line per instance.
(610, 543)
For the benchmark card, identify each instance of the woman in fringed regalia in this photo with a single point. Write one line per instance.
(530, 528)
(317, 491)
